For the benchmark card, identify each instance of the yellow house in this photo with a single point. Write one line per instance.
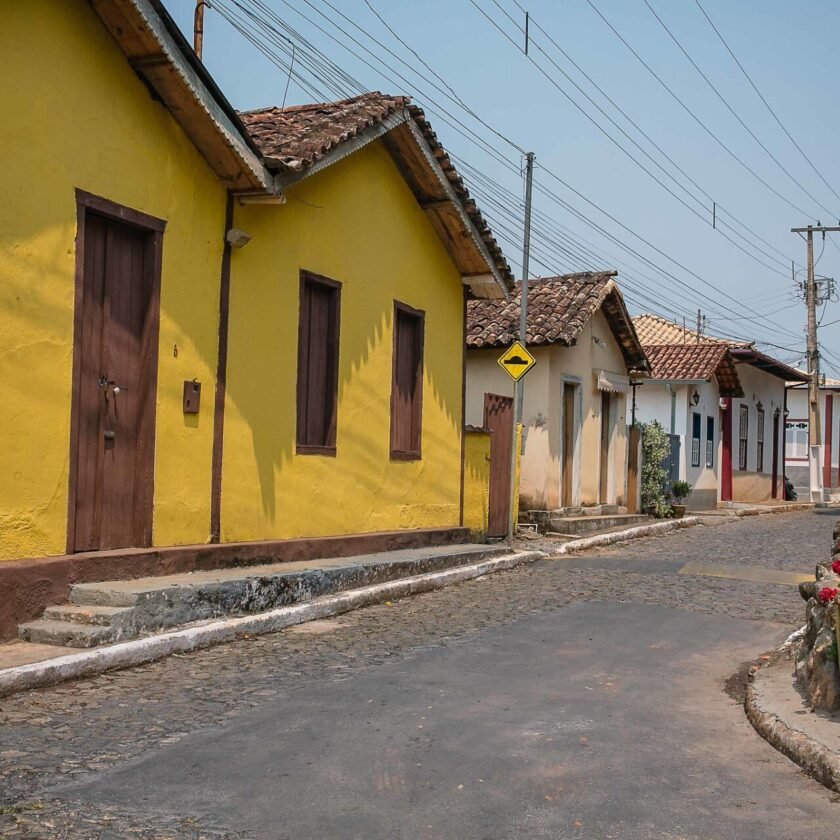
(574, 450)
(217, 328)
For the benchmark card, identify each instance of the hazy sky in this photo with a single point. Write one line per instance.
(788, 49)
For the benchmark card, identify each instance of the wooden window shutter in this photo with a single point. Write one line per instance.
(317, 381)
(407, 383)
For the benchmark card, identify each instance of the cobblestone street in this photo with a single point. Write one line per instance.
(82, 732)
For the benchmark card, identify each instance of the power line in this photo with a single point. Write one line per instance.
(638, 128)
(766, 103)
(461, 129)
(731, 109)
(703, 217)
(691, 113)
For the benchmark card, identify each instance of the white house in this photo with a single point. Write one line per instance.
(737, 427)
(796, 435)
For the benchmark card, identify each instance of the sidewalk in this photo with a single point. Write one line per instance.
(780, 713)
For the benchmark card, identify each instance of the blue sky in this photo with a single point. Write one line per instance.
(789, 50)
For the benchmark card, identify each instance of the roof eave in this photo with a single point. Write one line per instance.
(478, 269)
(160, 55)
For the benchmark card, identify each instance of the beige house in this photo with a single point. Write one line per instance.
(574, 423)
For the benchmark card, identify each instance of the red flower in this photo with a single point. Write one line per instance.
(827, 594)
(835, 567)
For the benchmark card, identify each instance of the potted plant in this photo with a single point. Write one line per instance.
(679, 490)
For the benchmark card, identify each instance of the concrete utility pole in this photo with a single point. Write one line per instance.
(813, 355)
(519, 385)
(198, 26)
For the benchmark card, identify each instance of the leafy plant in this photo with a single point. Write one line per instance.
(679, 490)
(656, 446)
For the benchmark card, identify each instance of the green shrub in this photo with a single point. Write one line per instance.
(656, 446)
(679, 490)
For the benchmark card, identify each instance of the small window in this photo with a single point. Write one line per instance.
(743, 434)
(759, 449)
(710, 441)
(317, 383)
(796, 440)
(696, 428)
(407, 383)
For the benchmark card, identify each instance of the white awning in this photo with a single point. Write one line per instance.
(615, 382)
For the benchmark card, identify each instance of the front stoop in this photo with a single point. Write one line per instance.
(113, 611)
(576, 522)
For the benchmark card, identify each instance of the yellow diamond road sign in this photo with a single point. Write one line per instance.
(517, 361)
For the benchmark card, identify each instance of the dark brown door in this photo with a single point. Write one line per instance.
(568, 444)
(605, 447)
(498, 417)
(115, 382)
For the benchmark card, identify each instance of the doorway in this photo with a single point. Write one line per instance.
(606, 435)
(114, 376)
(498, 418)
(569, 439)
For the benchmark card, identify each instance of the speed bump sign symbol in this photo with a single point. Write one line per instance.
(516, 361)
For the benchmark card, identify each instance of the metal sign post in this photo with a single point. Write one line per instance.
(519, 384)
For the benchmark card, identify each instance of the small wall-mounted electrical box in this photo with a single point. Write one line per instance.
(192, 396)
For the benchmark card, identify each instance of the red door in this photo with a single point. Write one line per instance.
(498, 417)
(726, 451)
(115, 387)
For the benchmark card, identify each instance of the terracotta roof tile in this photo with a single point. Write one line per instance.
(295, 138)
(652, 329)
(695, 361)
(558, 309)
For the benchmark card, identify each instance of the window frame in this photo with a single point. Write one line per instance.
(696, 426)
(743, 436)
(710, 442)
(415, 454)
(329, 448)
(759, 441)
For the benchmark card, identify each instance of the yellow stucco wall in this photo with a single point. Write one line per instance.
(75, 115)
(358, 223)
(476, 481)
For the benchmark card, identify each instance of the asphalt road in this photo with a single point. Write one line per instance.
(580, 698)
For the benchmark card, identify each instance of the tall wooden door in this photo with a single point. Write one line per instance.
(498, 417)
(115, 386)
(606, 429)
(569, 434)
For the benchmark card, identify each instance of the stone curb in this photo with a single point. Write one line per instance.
(760, 510)
(814, 758)
(138, 651)
(582, 544)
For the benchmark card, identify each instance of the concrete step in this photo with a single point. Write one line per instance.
(123, 609)
(67, 633)
(94, 615)
(580, 525)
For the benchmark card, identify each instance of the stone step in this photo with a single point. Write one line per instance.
(579, 525)
(46, 631)
(115, 610)
(89, 614)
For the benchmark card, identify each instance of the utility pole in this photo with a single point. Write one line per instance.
(198, 26)
(813, 356)
(519, 385)
(699, 325)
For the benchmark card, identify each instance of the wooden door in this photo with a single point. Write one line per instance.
(115, 386)
(498, 417)
(567, 495)
(726, 450)
(603, 478)
(774, 490)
